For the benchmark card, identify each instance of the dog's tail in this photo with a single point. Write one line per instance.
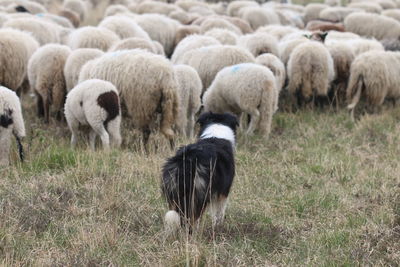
(172, 221)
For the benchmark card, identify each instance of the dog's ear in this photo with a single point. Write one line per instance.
(203, 118)
(323, 36)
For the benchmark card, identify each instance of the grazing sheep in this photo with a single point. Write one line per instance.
(207, 61)
(124, 27)
(133, 43)
(318, 25)
(340, 36)
(114, 10)
(244, 88)
(278, 31)
(94, 103)
(224, 36)
(16, 48)
(59, 20)
(189, 43)
(337, 14)
(369, 7)
(182, 16)
(147, 7)
(92, 37)
(234, 7)
(374, 75)
(150, 87)
(373, 25)
(392, 13)
(30, 7)
(11, 122)
(44, 31)
(161, 29)
(243, 25)
(287, 47)
(311, 11)
(310, 72)
(184, 31)
(259, 43)
(258, 17)
(189, 91)
(220, 23)
(342, 55)
(361, 45)
(77, 6)
(46, 78)
(276, 66)
(71, 16)
(75, 62)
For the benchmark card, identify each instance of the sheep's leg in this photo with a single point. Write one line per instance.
(92, 139)
(74, 127)
(254, 120)
(190, 126)
(105, 138)
(46, 107)
(146, 136)
(217, 210)
(113, 129)
(40, 105)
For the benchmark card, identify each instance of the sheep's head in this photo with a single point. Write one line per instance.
(317, 36)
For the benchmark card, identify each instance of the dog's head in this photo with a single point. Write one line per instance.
(218, 125)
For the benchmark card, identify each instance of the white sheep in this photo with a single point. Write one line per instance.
(11, 122)
(189, 91)
(224, 36)
(310, 71)
(94, 103)
(207, 61)
(46, 78)
(148, 89)
(259, 43)
(124, 27)
(244, 88)
(276, 66)
(75, 62)
(92, 37)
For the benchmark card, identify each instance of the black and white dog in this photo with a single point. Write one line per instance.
(201, 173)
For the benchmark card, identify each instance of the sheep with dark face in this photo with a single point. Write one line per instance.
(11, 122)
(94, 103)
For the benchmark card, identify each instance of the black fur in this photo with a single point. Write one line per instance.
(210, 160)
(110, 102)
(6, 119)
(20, 148)
(21, 9)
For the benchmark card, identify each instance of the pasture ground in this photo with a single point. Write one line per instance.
(321, 191)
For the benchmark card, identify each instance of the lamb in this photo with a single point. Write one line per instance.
(207, 61)
(373, 25)
(11, 122)
(376, 82)
(124, 27)
(92, 37)
(189, 91)
(224, 36)
(310, 71)
(259, 43)
(44, 31)
(244, 88)
(276, 66)
(74, 63)
(134, 42)
(16, 49)
(94, 103)
(143, 97)
(189, 43)
(46, 77)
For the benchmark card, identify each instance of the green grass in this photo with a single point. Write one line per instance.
(322, 191)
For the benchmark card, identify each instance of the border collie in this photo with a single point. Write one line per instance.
(201, 173)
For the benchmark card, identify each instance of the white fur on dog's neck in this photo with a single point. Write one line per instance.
(219, 131)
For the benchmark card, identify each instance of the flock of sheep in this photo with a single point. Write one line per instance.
(157, 63)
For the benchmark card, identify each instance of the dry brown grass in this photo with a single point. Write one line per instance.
(322, 191)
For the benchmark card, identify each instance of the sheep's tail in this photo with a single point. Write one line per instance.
(169, 107)
(172, 221)
(267, 107)
(20, 148)
(354, 90)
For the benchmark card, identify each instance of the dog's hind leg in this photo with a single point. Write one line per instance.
(217, 209)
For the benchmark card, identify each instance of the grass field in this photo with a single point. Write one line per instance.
(321, 191)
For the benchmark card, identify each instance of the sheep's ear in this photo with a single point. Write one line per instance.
(308, 36)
